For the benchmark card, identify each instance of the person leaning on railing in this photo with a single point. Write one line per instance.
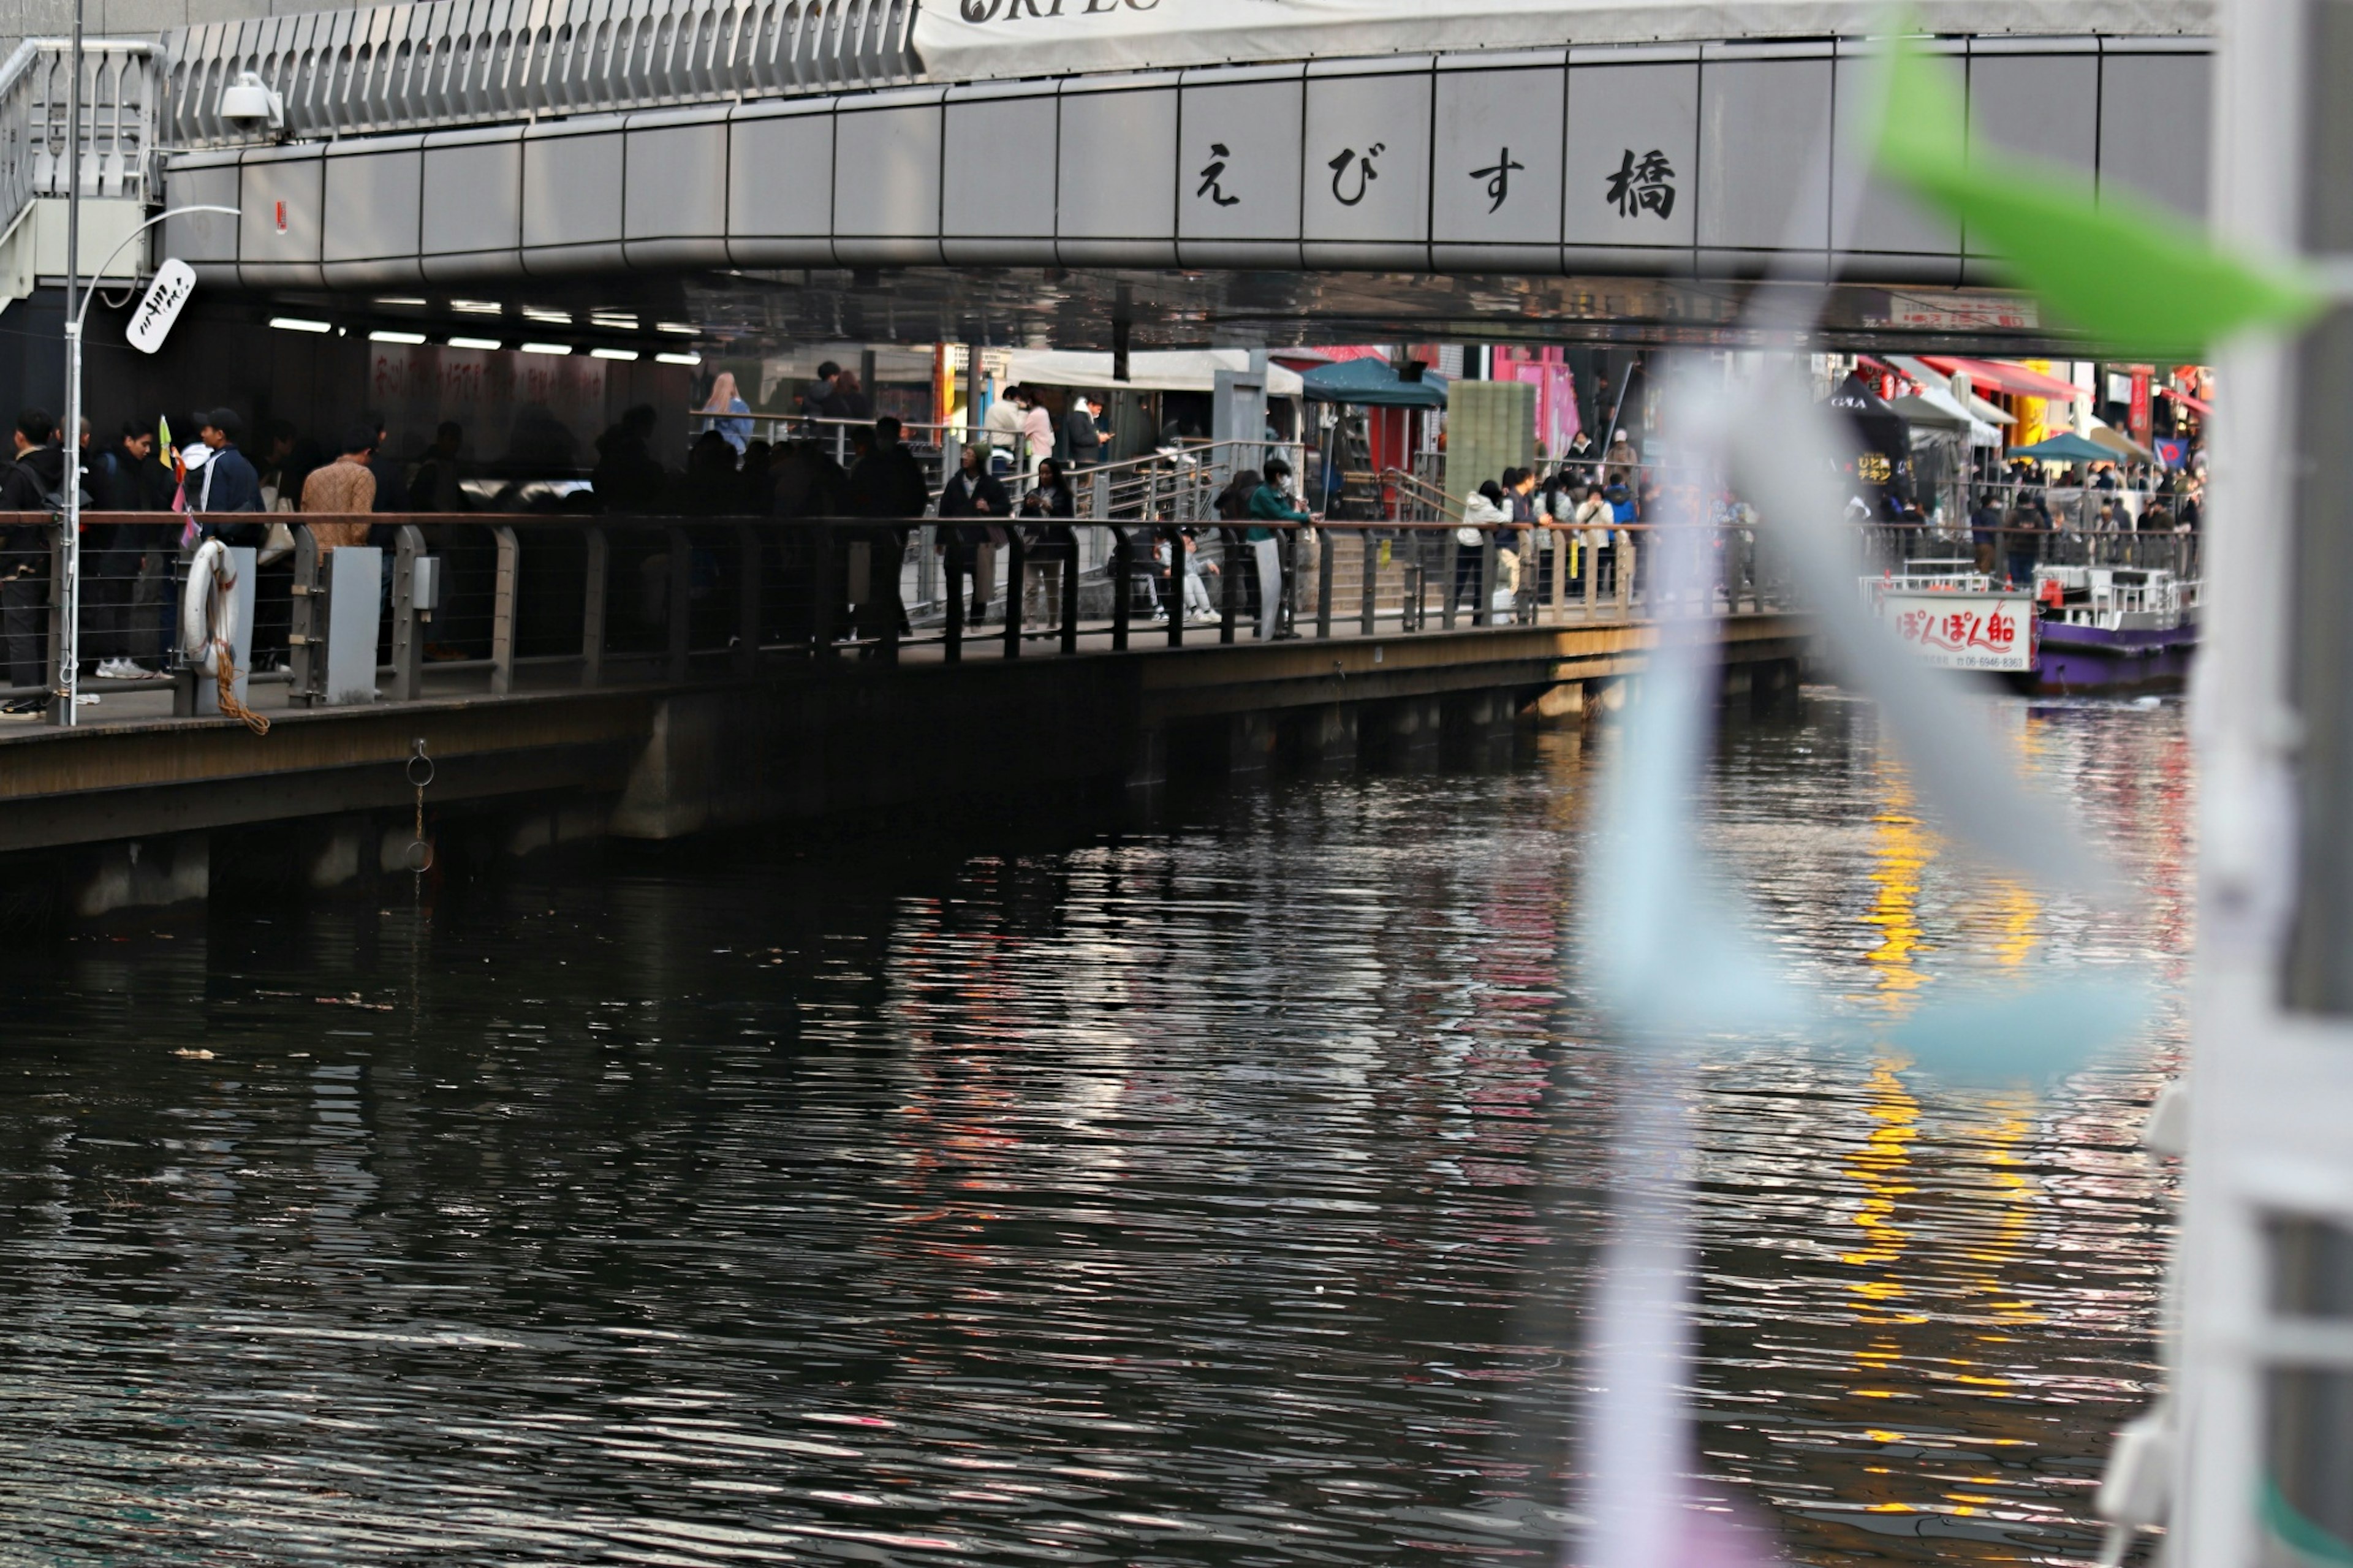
(1270, 502)
(2022, 528)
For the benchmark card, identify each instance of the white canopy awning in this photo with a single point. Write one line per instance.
(963, 39)
(1161, 370)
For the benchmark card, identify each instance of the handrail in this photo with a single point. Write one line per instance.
(119, 112)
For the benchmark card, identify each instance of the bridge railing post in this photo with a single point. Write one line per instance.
(1626, 552)
(1070, 582)
(1177, 571)
(1451, 559)
(1324, 542)
(825, 588)
(1368, 591)
(681, 581)
(1123, 578)
(751, 559)
(1592, 573)
(408, 618)
(1016, 569)
(1556, 600)
(1229, 582)
(952, 549)
(592, 607)
(502, 609)
(304, 632)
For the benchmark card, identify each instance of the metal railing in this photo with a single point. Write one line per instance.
(524, 601)
(465, 62)
(119, 105)
(1903, 550)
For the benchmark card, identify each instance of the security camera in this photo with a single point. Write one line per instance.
(249, 98)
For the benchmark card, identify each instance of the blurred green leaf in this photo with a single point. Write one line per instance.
(2120, 269)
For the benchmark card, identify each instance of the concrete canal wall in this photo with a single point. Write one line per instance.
(101, 820)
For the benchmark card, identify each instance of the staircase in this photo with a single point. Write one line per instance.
(116, 161)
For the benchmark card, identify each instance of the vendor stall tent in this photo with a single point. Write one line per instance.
(1374, 383)
(1882, 440)
(2067, 447)
(1384, 420)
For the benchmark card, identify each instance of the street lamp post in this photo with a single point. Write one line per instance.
(76, 309)
(69, 558)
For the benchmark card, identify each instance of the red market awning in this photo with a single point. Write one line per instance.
(2192, 404)
(2001, 376)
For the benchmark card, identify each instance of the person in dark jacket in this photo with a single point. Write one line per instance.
(391, 478)
(975, 493)
(806, 482)
(130, 564)
(1079, 440)
(1049, 548)
(627, 477)
(1984, 532)
(433, 486)
(31, 485)
(887, 485)
(227, 482)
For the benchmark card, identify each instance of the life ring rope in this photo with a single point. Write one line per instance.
(208, 628)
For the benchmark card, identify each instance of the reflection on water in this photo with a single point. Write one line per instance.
(1215, 1193)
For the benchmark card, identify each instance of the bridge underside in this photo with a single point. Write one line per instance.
(1085, 308)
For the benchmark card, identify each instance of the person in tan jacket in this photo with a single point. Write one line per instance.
(344, 486)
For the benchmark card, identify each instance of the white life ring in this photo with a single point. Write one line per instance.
(208, 609)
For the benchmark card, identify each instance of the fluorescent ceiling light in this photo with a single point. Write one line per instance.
(479, 306)
(625, 324)
(391, 299)
(546, 347)
(385, 337)
(612, 353)
(679, 327)
(473, 342)
(680, 359)
(300, 324)
(542, 313)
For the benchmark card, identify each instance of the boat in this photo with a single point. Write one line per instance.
(2114, 628)
(2083, 630)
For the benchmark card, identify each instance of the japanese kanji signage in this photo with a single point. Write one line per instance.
(1965, 631)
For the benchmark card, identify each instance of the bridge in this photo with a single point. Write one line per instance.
(761, 164)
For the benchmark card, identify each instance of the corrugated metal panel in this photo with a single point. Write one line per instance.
(448, 63)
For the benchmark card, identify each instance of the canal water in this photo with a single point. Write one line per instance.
(1220, 1189)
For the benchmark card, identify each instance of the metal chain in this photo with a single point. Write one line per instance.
(420, 853)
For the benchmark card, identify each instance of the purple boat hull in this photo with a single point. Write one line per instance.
(2094, 659)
